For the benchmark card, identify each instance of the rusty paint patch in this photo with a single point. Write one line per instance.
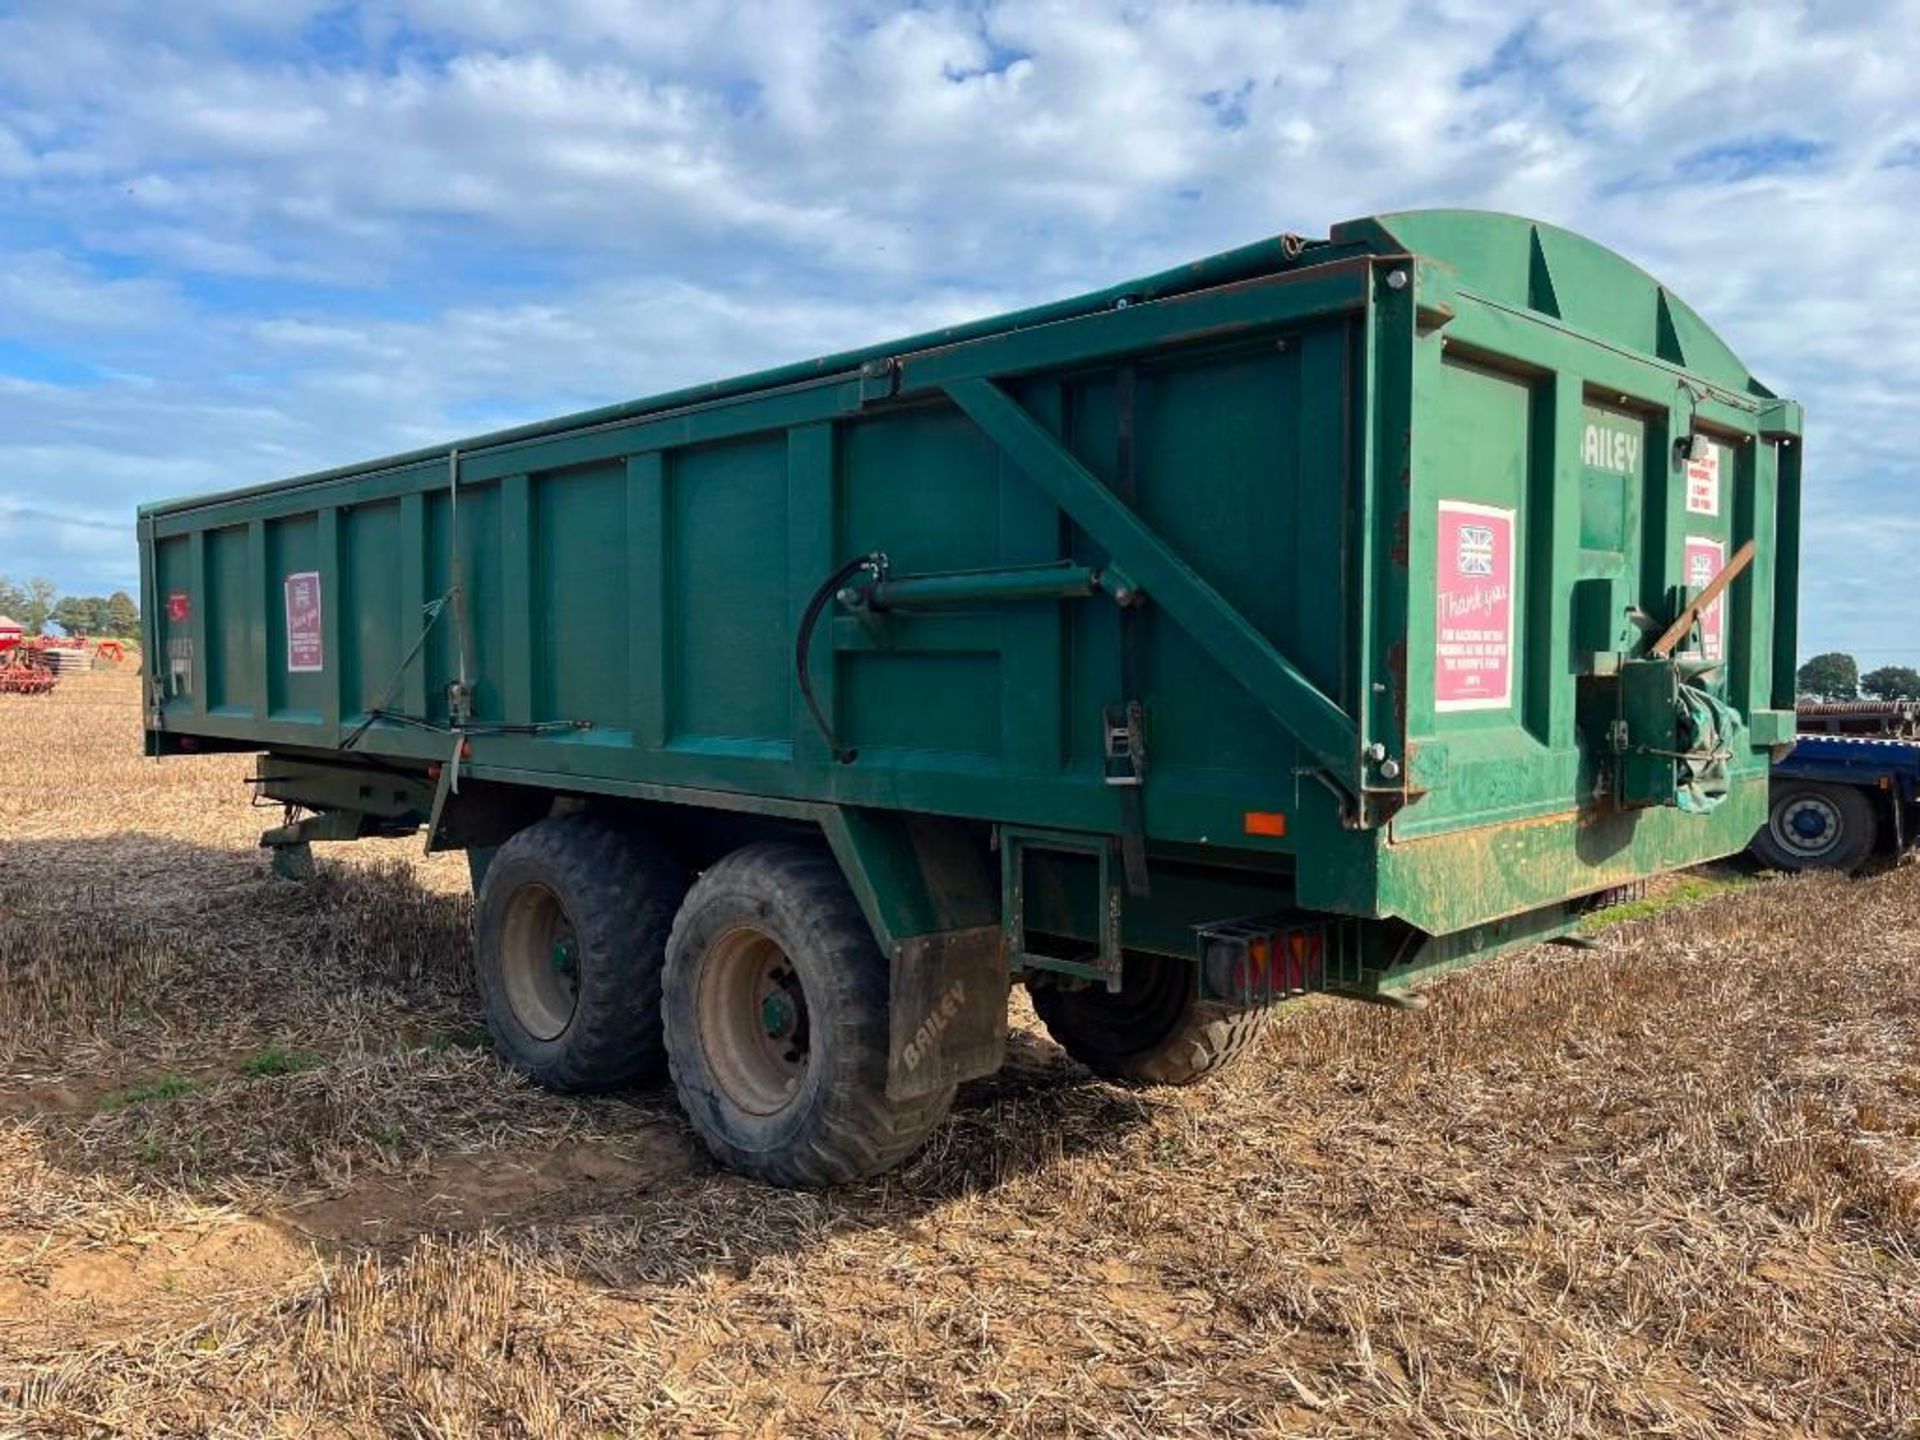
(1414, 790)
(1397, 668)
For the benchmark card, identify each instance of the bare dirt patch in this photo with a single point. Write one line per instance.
(259, 1176)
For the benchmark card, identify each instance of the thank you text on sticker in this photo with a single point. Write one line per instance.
(304, 652)
(1473, 620)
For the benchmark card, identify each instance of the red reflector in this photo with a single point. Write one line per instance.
(1266, 822)
(433, 772)
(466, 749)
(1307, 954)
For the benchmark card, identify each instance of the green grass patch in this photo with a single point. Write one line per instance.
(276, 1061)
(167, 1087)
(1689, 891)
(472, 1037)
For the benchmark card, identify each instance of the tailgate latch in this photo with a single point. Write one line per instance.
(1126, 744)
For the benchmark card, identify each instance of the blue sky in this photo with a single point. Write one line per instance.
(244, 238)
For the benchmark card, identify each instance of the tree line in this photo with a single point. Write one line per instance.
(38, 603)
(1836, 676)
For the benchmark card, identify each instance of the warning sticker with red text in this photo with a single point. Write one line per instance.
(1704, 559)
(1703, 484)
(1473, 624)
(304, 652)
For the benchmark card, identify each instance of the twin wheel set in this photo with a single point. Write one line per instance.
(760, 988)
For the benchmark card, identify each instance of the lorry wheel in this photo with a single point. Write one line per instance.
(1155, 1031)
(1811, 826)
(777, 1023)
(570, 932)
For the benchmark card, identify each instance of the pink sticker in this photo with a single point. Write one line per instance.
(1704, 559)
(304, 653)
(1473, 624)
(179, 607)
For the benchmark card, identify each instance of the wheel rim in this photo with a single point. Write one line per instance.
(540, 962)
(1807, 825)
(754, 1025)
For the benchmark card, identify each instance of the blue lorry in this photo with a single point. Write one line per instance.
(1848, 789)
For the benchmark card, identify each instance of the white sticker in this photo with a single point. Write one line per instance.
(1703, 484)
(180, 666)
(305, 655)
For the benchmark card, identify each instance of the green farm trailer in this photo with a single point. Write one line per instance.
(1311, 618)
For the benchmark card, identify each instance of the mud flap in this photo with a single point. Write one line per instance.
(948, 1009)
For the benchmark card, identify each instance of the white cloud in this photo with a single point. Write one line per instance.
(43, 292)
(15, 158)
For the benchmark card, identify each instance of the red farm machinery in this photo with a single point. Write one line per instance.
(34, 664)
(22, 672)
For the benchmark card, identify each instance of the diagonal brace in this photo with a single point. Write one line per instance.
(1194, 605)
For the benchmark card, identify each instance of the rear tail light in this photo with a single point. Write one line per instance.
(1252, 962)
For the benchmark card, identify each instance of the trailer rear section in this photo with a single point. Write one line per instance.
(1314, 617)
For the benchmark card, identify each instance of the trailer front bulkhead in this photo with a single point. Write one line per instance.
(1314, 617)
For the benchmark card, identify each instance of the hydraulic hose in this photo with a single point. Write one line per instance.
(803, 644)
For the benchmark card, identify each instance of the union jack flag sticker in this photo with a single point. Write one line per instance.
(1476, 550)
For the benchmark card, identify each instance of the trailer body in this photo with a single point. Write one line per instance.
(1293, 603)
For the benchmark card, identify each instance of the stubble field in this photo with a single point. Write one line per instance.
(260, 1175)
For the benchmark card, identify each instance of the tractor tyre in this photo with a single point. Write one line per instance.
(570, 935)
(1156, 1031)
(777, 1023)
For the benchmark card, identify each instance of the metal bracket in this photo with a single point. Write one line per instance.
(1014, 847)
(879, 380)
(1125, 749)
(292, 843)
(447, 784)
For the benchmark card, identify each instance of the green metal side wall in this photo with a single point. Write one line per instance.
(1297, 421)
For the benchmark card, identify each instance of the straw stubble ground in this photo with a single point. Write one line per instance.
(258, 1175)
